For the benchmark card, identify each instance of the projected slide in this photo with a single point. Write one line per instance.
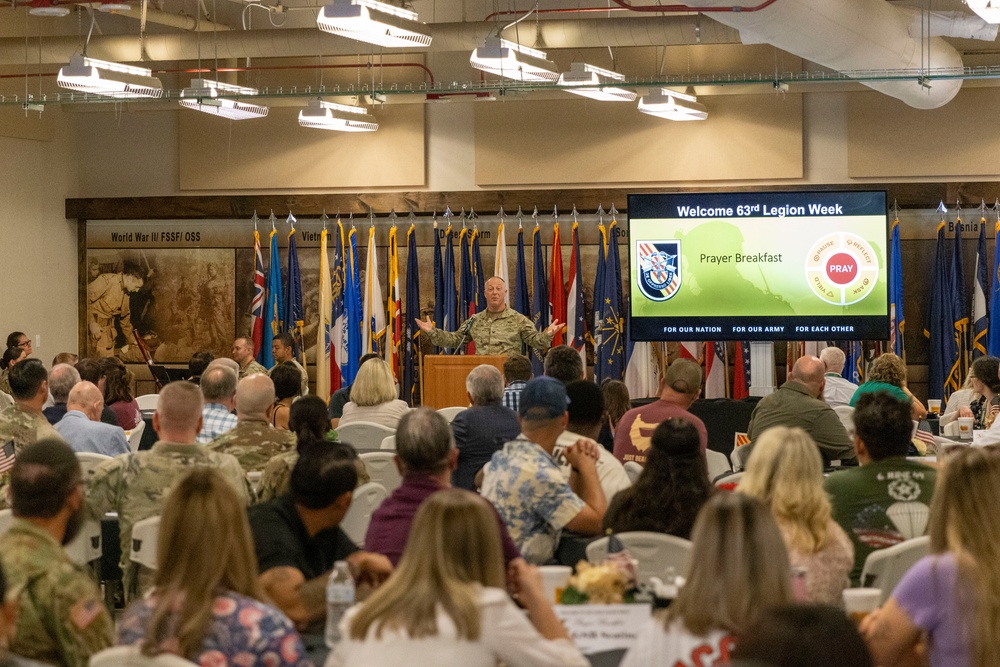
(759, 266)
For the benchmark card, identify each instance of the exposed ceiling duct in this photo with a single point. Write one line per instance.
(853, 35)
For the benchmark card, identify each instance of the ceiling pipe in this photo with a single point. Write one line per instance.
(661, 9)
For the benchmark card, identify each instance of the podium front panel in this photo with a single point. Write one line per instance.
(444, 376)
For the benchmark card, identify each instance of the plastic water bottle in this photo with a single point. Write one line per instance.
(339, 598)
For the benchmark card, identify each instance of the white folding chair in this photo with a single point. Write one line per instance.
(134, 436)
(846, 415)
(89, 462)
(382, 469)
(364, 502)
(147, 402)
(656, 552)
(729, 479)
(885, 567)
(389, 443)
(633, 470)
(718, 464)
(364, 435)
(86, 547)
(449, 413)
(145, 535)
(131, 656)
(6, 519)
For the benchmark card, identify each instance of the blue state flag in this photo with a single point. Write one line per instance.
(854, 362)
(943, 352)
(980, 316)
(540, 297)
(611, 353)
(994, 291)
(449, 310)
(477, 272)
(274, 309)
(522, 298)
(438, 280)
(352, 307)
(293, 318)
(959, 315)
(411, 333)
(896, 318)
(595, 329)
(466, 281)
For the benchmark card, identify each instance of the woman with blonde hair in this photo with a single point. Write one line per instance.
(785, 471)
(739, 569)
(446, 604)
(888, 373)
(374, 396)
(952, 595)
(204, 605)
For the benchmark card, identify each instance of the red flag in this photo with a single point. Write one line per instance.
(557, 288)
(740, 389)
(257, 307)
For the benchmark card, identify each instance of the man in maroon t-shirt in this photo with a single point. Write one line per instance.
(678, 390)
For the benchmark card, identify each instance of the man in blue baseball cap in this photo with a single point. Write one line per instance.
(526, 485)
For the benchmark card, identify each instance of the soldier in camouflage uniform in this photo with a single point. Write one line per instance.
(243, 355)
(62, 619)
(254, 441)
(278, 473)
(135, 485)
(497, 330)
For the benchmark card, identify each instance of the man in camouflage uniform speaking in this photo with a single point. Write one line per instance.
(497, 330)
(135, 485)
(254, 441)
(62, 619)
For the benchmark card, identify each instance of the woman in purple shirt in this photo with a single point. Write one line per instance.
(953, 595)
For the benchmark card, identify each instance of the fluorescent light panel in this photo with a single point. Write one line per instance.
(322, 115)
(374, 23)
(203, 95)
(100, 77)
(988, 10)
(588, 81)
(672, 105)
(513, 61)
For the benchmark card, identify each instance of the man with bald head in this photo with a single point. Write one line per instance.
(81, 427)
(254, 441)
(799, 402)
(136, 484)
(62, 378)
(218, 386)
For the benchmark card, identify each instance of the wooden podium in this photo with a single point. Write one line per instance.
(443, 380)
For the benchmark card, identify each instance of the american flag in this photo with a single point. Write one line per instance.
(7, 457)
(257, 307)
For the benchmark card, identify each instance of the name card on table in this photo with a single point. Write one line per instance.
(603, 627)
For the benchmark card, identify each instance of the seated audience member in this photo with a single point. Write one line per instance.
(10, 357)
(62, 619)
(283, 351)
(225, 362)
(528, 488)
(739, 568)
(837, 390)
(135, 485)
(197, 364)
(23, 423)
(453, 609)
(483, 428)
(310, 427)
(341, 397)
(253, 441)
(117, 395)
(426, 457)
(786, 472)
(516, 373)
(986, 385)
(90, 371)
(218, 386)
(887, 499)
(243, 355)
(8, 624)
(62, 378)
(81, 427)
(586, 415)
(679, 388)
(374, 396)
(287, 388)
(20, 340)
(948, 601)
(616, 403)
(564, 364)
(951, 408)
(671, 489)
(798, 403)
(204, 605)
(65, 358)
(802, 635)
(297, 536)
(888, 373)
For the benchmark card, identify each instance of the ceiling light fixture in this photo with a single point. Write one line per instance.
(513, 61)
(100, 77)
(988, 10)
(322, 115)
(203, 95)
(673, 105)
(113, 7)
(589, 81)
(47, 8)
(374, 23)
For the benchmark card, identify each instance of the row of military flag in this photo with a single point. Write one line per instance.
(354, 320)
